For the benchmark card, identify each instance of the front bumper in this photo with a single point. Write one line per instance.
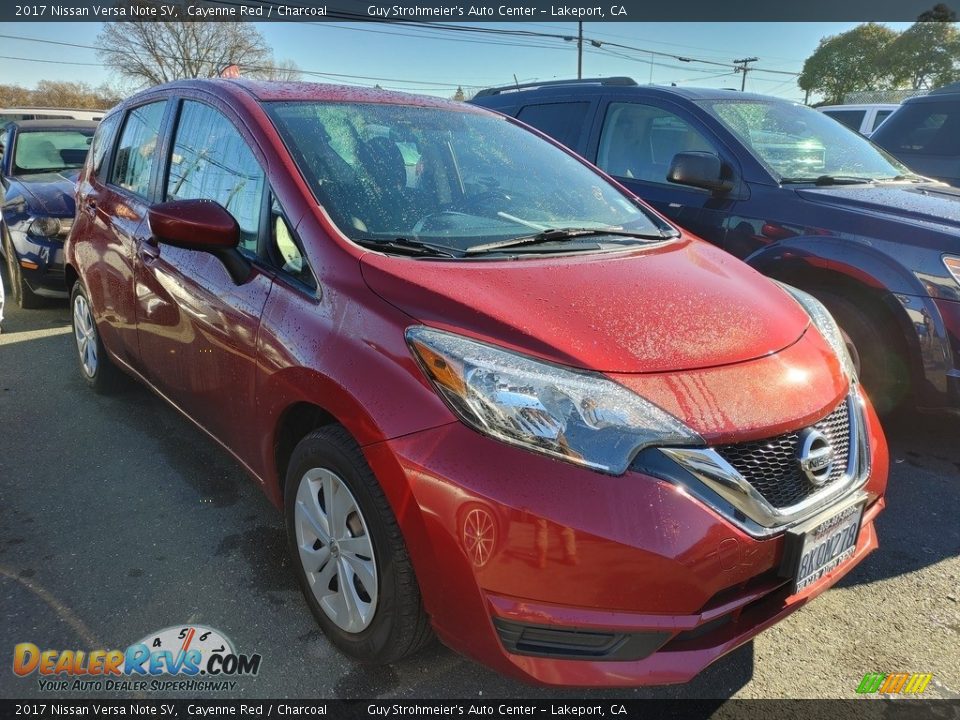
(503, 539)
(44, 269)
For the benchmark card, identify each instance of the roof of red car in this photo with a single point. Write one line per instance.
(293, 91)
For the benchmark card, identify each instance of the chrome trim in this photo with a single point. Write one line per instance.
(721, 487)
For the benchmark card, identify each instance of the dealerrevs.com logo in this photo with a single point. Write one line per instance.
(183, 657)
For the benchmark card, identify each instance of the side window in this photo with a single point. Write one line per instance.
(284, 250)
(851, 118)
(561, 121)
(879, 118)
(924, 128)
(210, 160)
(136, 151)
(639, 141)
(102, 140)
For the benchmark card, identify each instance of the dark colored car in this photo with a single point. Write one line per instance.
(606, 453)
(39, 164)
(924, 134)
(795, 194)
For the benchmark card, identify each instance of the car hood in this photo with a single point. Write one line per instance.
(50, 193)
(926, 203)
(680, 306)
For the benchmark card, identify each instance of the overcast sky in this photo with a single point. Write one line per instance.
(435, 62)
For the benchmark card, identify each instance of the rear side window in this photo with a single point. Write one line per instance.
(923, 128)
(210, 160)
(853, 119)
(561, 121)
(136, 151)
(102, 141)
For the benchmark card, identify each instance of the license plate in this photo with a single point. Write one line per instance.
(822, 544)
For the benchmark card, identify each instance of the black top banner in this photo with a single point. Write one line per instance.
(461, 12)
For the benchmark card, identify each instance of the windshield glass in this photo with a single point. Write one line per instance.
(451, 179)
(797, 142)
(51, 150)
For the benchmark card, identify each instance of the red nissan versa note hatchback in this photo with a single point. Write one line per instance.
(496, 395)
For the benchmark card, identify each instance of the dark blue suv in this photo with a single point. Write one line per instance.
(796, 195)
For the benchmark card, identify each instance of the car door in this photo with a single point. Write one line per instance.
(197, 326)
(113, 197)
(636, 143)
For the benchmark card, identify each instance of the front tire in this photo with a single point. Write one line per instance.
(95, 366)
(348, 553)
(25, 298)
(880, 364)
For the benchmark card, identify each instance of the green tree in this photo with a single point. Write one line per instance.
(925, 55)
(854, 60)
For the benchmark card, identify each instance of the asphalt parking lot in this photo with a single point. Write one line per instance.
(118, 518)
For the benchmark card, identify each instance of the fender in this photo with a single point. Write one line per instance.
(808, 261)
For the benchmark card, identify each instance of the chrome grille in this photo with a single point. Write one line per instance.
(771, 465)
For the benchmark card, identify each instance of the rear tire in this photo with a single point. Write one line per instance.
(95, 366)
(348, 553)
(25, 298)
(880, 362)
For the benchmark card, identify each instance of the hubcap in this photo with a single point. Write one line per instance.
(335, 550)
(85, 333)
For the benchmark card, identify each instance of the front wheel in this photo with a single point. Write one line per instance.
(350, 558)
(95, 367)
(21, 293)
(877, 358)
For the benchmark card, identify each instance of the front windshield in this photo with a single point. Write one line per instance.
(448, 178)
(798, 143)
(51, 150)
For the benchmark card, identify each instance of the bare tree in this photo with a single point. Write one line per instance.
(150, 53)
(281, 70)
(58, 93)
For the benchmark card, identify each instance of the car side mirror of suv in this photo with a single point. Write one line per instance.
(202, 225)
(702, 170)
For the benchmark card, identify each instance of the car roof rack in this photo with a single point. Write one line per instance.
(619, 81)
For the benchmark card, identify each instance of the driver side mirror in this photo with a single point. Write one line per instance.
(701, 170)
(202, 225)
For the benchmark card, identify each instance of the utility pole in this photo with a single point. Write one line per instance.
(742, 68)
(579, 50)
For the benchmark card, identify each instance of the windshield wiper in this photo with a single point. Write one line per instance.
(561, 234)
(828, 180)
(405, 246)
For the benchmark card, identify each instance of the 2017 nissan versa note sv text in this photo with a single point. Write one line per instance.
(498, 398)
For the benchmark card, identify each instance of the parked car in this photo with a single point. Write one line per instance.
(799, 197)
(925, 136)
(39, 164)
(48, 113)
(864, 118)
(500, 398)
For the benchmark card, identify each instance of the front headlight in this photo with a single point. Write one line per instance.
(578, 416)
(827, 326)
(50, 227)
